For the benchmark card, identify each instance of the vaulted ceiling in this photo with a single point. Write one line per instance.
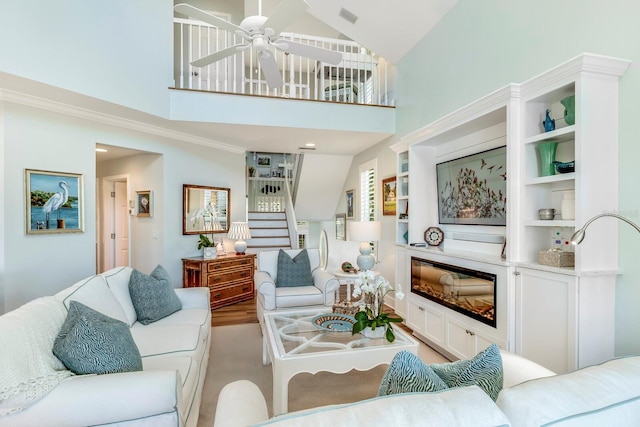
(388, 28)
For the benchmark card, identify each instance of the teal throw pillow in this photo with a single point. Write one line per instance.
(407, 373)
(90, 342)
(483, 370)
(152, 296)
(294, 271)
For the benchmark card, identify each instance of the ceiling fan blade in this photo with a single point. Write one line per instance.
(270, 69)
(325, 55)
(195, 13)
(285, 13)
(217, 56)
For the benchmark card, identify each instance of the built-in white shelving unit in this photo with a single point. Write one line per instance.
(569, 309)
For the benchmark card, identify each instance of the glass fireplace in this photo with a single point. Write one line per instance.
(470, 292)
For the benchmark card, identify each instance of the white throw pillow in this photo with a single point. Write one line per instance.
(118, 281)
(94, 292)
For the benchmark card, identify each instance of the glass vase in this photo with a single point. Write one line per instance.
(378, 332)
(547, 151)
(569, 104)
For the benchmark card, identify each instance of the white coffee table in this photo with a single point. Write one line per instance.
(295, 345)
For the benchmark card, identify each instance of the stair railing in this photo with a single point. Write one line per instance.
(292, 224)
(362, 77)
(267, 194)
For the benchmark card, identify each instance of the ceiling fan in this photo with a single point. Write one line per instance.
(260, 32)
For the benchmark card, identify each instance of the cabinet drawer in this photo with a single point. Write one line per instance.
(229, 263)
(228, 276)
(236, 291)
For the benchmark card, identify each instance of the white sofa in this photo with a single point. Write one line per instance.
(167, 392)
(602, 395)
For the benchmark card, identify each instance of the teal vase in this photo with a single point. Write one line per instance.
(547, 152)
(569, 104)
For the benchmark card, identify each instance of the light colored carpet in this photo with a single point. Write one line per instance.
(236, 353)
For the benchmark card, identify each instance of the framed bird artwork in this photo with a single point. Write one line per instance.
(54, 202)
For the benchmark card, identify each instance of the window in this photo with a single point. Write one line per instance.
(368, 190)
(368, 193)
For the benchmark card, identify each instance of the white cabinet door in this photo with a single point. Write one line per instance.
(416, 316)
(545, 318)
(434, 329)
(460, 339)
(465, 341)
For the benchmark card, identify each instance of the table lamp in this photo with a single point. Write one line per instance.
(578, 236)
(239, 231)
(365, 232)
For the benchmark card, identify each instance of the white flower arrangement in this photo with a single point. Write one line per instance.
(373, 288)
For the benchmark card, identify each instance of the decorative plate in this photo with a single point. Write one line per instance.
(433, 236)
(334, 322)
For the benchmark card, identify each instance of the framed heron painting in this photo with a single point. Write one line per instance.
(54, 202)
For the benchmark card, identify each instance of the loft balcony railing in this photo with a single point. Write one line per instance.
(361, 78)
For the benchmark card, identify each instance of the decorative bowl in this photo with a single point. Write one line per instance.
(565, 167)
(334, 322)
(546, 214)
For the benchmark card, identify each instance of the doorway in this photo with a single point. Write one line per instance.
(114, 230)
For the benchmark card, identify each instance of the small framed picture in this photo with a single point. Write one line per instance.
(263, 161)
(350, 204)
(54, 202)
(144, 203)
(389, 196)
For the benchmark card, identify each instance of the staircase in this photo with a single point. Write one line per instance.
(269, 231)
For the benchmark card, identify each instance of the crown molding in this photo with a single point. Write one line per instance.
(15, 97)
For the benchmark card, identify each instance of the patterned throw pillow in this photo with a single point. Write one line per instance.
(152, 296)
(90, 342)
(483, 370)
(407, 373)
(294, 271)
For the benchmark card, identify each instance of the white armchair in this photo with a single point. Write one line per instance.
(271, 298)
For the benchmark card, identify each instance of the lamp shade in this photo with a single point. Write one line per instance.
(239, 231)
(365, 231)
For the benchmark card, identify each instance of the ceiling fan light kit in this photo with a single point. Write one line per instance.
(261, 32)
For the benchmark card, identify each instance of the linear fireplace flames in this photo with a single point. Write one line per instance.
(470, 292)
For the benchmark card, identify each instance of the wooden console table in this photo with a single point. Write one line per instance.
(229, 277)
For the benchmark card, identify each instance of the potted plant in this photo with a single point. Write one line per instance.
(252, 171)
(370, 320)
(208, 247)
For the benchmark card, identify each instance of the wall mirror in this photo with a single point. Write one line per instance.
(205, 209)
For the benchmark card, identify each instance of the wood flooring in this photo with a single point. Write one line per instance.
(235, 314)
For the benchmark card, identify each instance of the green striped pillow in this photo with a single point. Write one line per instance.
(483, 370)
(407, 373)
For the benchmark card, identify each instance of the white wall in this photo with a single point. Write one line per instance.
(348, 251)
(37, 265)
(74, 44)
